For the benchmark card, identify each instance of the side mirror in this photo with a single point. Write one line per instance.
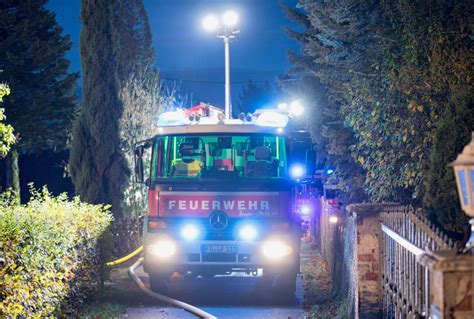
(139, 150)
(139, 174)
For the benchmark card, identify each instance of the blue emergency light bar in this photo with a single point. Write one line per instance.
(264, 118)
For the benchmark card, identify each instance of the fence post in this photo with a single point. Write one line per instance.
(452, 284)
(368, 260)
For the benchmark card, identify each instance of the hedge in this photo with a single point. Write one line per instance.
(50, 254)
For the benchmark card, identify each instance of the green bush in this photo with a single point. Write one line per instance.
(50, 256)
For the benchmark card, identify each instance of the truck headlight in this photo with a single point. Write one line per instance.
(333, 219)
(163, 248)
(276, 249)
(190, 232)
(248, 232)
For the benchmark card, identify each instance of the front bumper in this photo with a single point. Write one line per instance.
(189, 256)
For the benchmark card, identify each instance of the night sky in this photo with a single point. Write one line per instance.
(186, 52)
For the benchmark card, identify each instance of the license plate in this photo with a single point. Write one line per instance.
(218, 248)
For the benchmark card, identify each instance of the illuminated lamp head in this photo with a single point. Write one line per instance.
(230, 18)
(210, 23)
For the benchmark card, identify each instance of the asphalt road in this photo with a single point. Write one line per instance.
(222, 296)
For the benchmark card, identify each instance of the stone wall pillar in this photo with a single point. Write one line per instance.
(368, 259)
(451, 285)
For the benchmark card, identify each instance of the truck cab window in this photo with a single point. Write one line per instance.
(205, 156)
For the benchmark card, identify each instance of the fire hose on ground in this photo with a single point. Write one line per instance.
(124, 259)
(131, 272)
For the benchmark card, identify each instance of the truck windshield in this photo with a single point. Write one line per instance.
(206, 156)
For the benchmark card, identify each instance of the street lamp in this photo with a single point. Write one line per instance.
(227, 31)
(464, 172)
(210, 23)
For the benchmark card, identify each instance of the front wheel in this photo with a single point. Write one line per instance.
(159, 283)
(280, 284)
(286, 284)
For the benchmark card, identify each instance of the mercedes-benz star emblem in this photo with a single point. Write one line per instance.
(218, 220)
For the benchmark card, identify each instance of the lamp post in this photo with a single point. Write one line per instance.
(226, 31)
(464, 172)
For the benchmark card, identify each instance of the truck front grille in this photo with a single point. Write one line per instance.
(216, 257)
(194, 257)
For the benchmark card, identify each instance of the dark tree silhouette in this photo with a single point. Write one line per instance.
(398, 83)
(255, 96)
(42, 105)
(120, 86)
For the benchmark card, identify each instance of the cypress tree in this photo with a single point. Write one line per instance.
(42, 105)
(97, 164)
(120, 86)
(139, 89)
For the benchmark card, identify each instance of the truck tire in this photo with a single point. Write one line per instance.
(159, 283)
(286, 284)
(281, 285)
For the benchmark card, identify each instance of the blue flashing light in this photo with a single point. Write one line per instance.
(297, 171)
(190, 232)
(272, 119)
(305, 210)
(173, 118)
(248, 232)
(329, 171)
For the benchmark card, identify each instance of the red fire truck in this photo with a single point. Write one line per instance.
(221, 198)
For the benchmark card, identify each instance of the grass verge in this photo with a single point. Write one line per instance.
(319, 301)
(102, 307)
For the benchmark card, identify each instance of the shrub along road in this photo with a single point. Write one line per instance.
(50, 260)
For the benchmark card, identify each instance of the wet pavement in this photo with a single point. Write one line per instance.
(222, 296)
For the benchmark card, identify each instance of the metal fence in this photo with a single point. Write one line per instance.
(407, 235)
